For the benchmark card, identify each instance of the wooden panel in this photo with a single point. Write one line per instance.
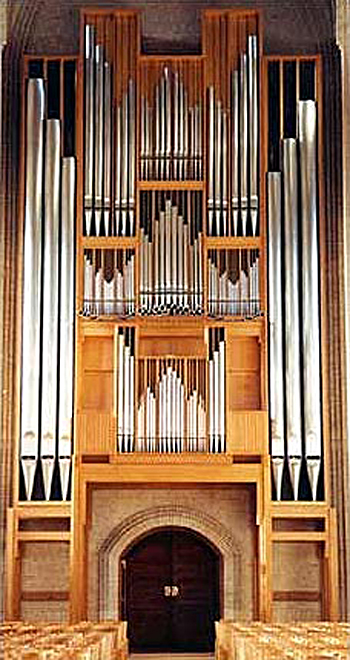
(95, 434)
(97, 391)
(161, 346)
(247, 432)
(243, 391)
(98, 353)
(242, 353)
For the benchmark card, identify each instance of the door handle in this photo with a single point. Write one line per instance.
(171, 591)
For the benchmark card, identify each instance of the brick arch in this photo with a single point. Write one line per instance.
(144, 522)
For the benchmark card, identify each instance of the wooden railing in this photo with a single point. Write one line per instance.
(304, 641)
(84, 641)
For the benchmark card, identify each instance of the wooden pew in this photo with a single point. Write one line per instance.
(304, 641)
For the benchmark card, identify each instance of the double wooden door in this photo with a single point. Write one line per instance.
(171, 592)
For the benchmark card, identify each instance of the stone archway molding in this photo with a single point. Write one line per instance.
(143, 522)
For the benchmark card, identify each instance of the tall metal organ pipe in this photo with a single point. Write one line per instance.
(274, 184)
(32, 281)
(66, 355)
(307, 124)
(49, 355)
(292, 312)
(89, 125)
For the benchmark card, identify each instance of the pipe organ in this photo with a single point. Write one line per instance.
(172, 274)
(171, 229)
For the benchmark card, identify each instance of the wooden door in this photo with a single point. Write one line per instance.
(171, 592)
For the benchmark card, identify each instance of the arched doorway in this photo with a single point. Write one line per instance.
(171, 592)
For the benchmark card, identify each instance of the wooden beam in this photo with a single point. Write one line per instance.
(46, 536)
(41, 596)
(294, 596)
(299, 537)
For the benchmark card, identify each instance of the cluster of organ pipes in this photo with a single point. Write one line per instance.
(295, 396)
(179, 402)
(171, 268)
(171, 413)
(48, 299)
(233, 151)
(109, 282)
(171, 132)
(109, 146)
(233, 282)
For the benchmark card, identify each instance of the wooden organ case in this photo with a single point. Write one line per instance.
(168, 346)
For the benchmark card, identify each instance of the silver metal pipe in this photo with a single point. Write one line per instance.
(185, 133)
(222, 397)
(118, 170)
(174, 256)
(186, 266)
(307, 125)
(253, 128)
(107, 144)
(32, 280)
(157, 130)
(162, 104)
(218, 163)
(243, 122)
(292, 337)
(274, 199)
(162, 241)
(235, 153)
(200, 271)
(131, 398)
(98, 137)
(132, 155)
(66, 356)
(200, 141)
(120, 390)
(181, 130)
(168, 114)
(176, 125)
(126, 429)
(125, 162)
(143, 137)
(224, 175)
(49, 364)
(168, 251)
(89, 79)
